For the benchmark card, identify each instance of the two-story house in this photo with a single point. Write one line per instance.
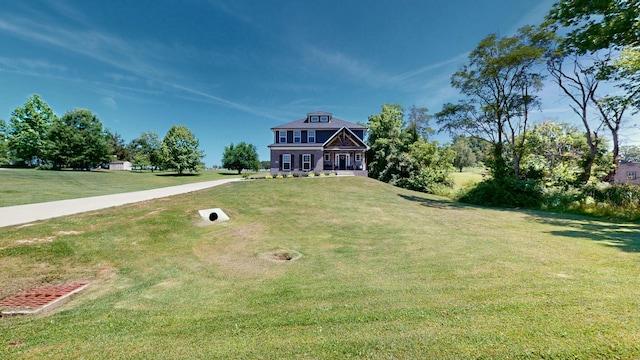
(319, 143)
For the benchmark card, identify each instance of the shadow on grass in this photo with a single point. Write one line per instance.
(436, 203)
(620, 235)
(178, 175)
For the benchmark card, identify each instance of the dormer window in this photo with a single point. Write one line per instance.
(324, 118)
(314, 119)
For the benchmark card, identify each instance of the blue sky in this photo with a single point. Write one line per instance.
(231, 70)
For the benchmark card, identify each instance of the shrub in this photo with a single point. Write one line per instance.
(279, 176)
(508, 193)
(269, 176)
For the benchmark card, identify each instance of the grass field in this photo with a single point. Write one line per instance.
(383, 273)
(27, 186)
(468, 177)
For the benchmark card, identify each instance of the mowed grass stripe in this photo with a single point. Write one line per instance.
(28, 186)
(385, 273)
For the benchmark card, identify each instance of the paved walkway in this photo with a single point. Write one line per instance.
(21, 214)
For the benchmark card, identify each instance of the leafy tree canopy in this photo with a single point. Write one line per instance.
(120, 150)
(78, 140)
(241, 156)
(145, 150)
(595, 25)
(464, 154)
(28, 129)
(180, 150)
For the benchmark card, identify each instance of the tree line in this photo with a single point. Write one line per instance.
(36, 137)
(589, 50)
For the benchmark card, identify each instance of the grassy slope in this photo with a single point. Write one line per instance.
(26, 186)
(385, 273)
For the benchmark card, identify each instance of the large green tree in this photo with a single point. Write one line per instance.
(593, 25)
(586, 61)
(28, 127)
(78, 140)
(241, 156)
(180, 150)
(555, 152)
(400, 156)
(499, 84)
(145, 150)
(386, 145)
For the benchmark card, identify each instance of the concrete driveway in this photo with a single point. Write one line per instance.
(22, 214)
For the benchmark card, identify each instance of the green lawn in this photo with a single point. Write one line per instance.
(385, 273)
(26, 186)
(468, 177)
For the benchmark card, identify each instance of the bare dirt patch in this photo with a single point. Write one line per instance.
(280, 256)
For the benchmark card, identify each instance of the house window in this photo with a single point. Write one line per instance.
(314, 119)
(327, 157)
(283, 136)
(306, 162)
(358, 157)
(631, 175)
(311, 136)
(296, 136)
(324, 119)
(286, 162)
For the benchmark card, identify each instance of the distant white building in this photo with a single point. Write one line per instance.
(120, 165)
(628, 173)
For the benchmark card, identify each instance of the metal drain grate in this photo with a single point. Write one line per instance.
(39, 299)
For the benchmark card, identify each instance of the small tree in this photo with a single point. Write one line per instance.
(120, 150)
(240, 157)
(464, 155)
(180, 150)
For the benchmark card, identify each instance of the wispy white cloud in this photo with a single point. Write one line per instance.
(110, 102)
(141, 64)
(33, 64)
(447, 64)
(347, 65)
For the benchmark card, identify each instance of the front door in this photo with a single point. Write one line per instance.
(342, 163)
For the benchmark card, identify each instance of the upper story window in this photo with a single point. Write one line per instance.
(283, 136)
(324, 118)
(314, 119)
(296, 136)
(631, 175)
(311, 136)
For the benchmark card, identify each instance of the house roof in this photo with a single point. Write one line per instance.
(354, 138)
(334, 123)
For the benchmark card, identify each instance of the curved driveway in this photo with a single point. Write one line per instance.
(21, 214)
